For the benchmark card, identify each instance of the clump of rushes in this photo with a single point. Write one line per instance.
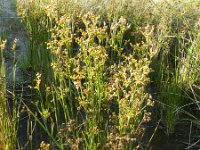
(97, 93)
(92, 70)
(108, 91)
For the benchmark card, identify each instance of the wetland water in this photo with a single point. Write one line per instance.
(11, 29)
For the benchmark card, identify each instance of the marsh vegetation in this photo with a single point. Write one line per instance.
(100, 75)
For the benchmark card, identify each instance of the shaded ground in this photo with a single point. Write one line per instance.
(186, 134)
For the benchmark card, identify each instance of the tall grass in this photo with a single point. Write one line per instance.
(3, 94)
(92, 65)
(8, 120)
